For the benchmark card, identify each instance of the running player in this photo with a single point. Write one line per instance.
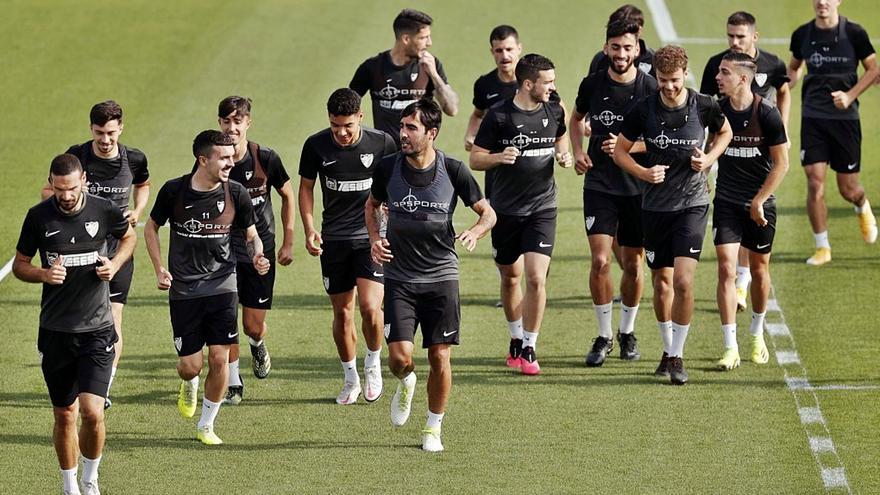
(611, 197)
(258, 169)
(644, 60)
(750, 170)
(421, 187)
(831, 134)
(518, 141)
(770, 83)
(203, 208)
(113, 170)
(399, 76)
(675, 198)
(76, 338)
(345, 156)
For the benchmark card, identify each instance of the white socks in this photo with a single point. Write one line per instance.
(209, 412)
(757, 326)
(350, 368)
(729, 333)
(865, 208)
(530, 339)
(373, 358)
(628, 318)
(90, 469)
(234, 374)
(743, 277)
(68, 478)
(516, 329)
(822, 240)
(665, 328)
(434, 420)
(603, 314)
(679, 336)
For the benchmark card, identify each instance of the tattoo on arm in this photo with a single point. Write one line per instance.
(251, 248)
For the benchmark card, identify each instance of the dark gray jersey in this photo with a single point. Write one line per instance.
(526, 186)
(200, 256)
(346, 174)
(82, 302)
(770, 76)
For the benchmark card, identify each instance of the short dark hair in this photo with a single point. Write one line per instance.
(429, 113)
(503, 32)
(621, 27)
(410, 21)
(743, 61)
(741, 18)
(628, 12)
(65, 164)
(670, 58)
(234, 104)
(530, 65)
(344, 101)
(105, 112)
(206, 140)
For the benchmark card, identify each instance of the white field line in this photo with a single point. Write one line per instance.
(6, 268)
(665, 28)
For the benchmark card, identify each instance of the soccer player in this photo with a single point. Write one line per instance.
(517, 142)
(749, 171)
(258, 169)
(399, 76)
(831, 46)
(645, 59)
(770, 83)
(113, 170)
(203, 208)
(421, 187)
(611, 197)
(675, 198)
(345, 156)
(76, 338)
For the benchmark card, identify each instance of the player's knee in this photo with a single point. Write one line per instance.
(253, 325)
(726, 272)
(536, 282)
(815, 186)
(510, 281)
(65, 416)
(188, 370)
(370, 311)
(438, 358)
(399, 365)
(92, 415)
(601, 264)
(632, 269)
(342, 314)
(683, 284)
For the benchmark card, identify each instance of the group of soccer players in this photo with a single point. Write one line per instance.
(386, 239)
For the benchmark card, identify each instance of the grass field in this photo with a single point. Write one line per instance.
(616, 429)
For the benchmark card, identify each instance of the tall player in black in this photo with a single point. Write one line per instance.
(612, 206)
(831, 133)
(203, 207)
(770, 83)
(397, 77)
(518, 142)
(70, 230)
(113, 171)
(345, 156)
(259, 170)
(749, 172)
(675, 193)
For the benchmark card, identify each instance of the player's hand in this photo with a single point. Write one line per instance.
(609, 144)
(468, 239)
(468, 143)
(163, 279)
(132, 217)
(564, 159)
(105, 269)
(756, 211)
(655, 174)
(508, 155)
(380, 251)
(841, 99)
(700, 161)
(313, 243)
(428, 62)
(285, 255)
(583, 163)
(56, 273)
(262, 263)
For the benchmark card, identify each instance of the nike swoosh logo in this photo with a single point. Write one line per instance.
(606, 98)
(325, 164)
(109, 348)
(851, 166)
(543, 244)
(114, 294)
(231, 335)
(263, 299)
(762, 247)
(520, 126)
(447, 334)
(188, 207)
(694, 251)
(493, 95)
(50, 234)
(377, 274)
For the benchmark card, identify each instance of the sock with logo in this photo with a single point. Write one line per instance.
(209, 412)
(350, 368)
(822, 240)
(757, 326)
(90, 469)
(373, 358)
(516, 329)
(628, 318)
(729, 334)
(68, 478)
(434, 420)
(234, 374)
(679, 336)
(603, 314)
(665, 328)
(530, 339)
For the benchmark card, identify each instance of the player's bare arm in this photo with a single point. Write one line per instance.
(794, 71)
(473, 126)
(141, 197)
(443, 92)
(843, 99)
(374, 215)
(469, 237)
(624, 160)
(307, 214)
(254, 246)
(779, 156)
(108, 267)
(576, 131)
(154, 250)
(563, 155)
(483, 159)
(288, 218)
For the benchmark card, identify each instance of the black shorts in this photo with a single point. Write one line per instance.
(671, 234)
(343, 262)
(514, 235)
(255, 290)
(617, 216)
(75, 363)
(211, 320)
(120, 284)
(838, 142)
(732, 223)
(435, 307)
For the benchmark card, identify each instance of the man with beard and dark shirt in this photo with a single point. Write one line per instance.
(675, 196)
(612, 206)
(645, 59)
(518, 142)
(421, 187)
(749, 171)
(203, 208)
(831, 133)
(399, 76)
(70, 230)
(345, 156)
(113, 170)
(259, 170)
(770, 83)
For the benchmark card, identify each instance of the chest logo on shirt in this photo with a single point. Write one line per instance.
(92, 228)
(248, 175)
(389, 92)
(410, 203)
(97, 189)
(817, 59)
(663, 141)
(367, 159)
(761, 79)
(220, 205)
(608, 118)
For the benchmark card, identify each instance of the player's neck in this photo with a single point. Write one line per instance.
(506, 77)
(106, 156)
(754, 52)
(679, 100)
(524, 101)
(742, 99)
(624, 78)
(399, 56)
(423, 160)
(202, 182)
(81, 202)
(240, 150)
(827, 22)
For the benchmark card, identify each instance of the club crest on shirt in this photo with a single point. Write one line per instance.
(220, 205)
(590, 221)
(413, 76)
(248, 175)
(650, 255)
(92, 228)
(761, 78)
(545, 122)
(367, 159)
(645, 67)
(178, 343)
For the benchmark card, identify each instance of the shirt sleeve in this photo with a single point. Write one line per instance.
(390, 145)
(772, 126)
(308, 161)
(139, 170)
(796, 42)
(162, 207)
(28, 240)
(275, 170)
(711, 115)
(559, 115)
(244, 207)
(479, 101)
(708, 86)
(582, 102)
(463, 181)
(633, 122)
(780, 74)
(487, 135)
(860, 40)
(362, 81)
(117, 221)
(380, 180)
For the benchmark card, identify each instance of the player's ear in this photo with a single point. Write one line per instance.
(605, 48)
(82, 178)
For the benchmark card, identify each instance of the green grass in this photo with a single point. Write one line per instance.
(615, 429)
